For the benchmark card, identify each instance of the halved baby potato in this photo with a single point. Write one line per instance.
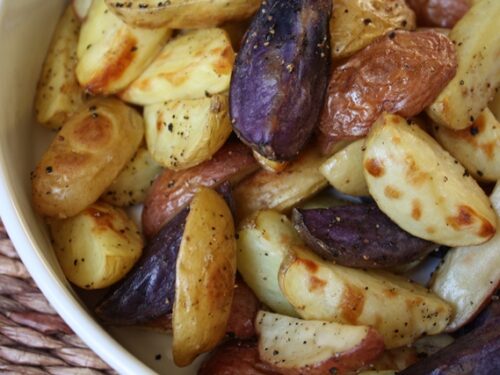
(422, 188)
(183, 133)
(97, 247)
(112, 54)
(194, 65)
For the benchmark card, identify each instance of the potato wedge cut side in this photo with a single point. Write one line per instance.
(478, 73)
(206, 269)
(194, 65)
(422, 188)
(313, 346)
(58, 93)
(399, 310)
(97, 247)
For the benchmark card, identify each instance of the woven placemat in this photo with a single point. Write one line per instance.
(34, 340)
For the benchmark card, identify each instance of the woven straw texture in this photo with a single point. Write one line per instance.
(34, 340)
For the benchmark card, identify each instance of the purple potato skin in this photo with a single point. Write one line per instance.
(358, 236)
(148, 291)
(280, 77)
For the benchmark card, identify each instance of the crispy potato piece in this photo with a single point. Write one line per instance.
(183, 133)
(314, 347)
(132, 184)
(344, 170)
(399, 310)
(81, 8)
(495, 105)
(111, 54)
(453, 282)
(193, 65)
(439, 13)
(206, 269)
(260, 254)
(281, 191)
(172, 191)
(58, 93)
(182, 14)
(357, 23)
(85, 157)
(422, 188)
(476, 147)
(270, 165)
(478, 74)
(402, 72)
(97, 247)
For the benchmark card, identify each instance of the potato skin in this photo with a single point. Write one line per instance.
(241, 323)
(280, 77)
(85, 157)
(401, 72)
(359, 236)
(439, 13)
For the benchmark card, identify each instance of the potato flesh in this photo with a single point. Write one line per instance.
(261, 250)
(184, 133)
(399, 310)
(192, 66)
(112, 54)
(344, 170)
(478, 74)
(206, 269)
(422, 188)
(58, 94)
(97, 247)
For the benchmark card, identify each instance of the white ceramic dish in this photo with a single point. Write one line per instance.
(26, 27)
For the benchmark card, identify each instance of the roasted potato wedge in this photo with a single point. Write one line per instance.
(270, 165)
(206, 269)
(183, 133)
(81, 8)
(112, 54)
(453, 282)
(172, 191)
(280, 77)
(58, 94)
(182, 14)
(439, 13)
(476, 147)
(357, 23)
(399, 310)
(344, 170)
(422, 188)
(281, 191)
(315, 347)
(478, 74)
(85, 157)
(401, 72)
(134, 181)
(261, 250)
(194, 65)
(97, 247)
(358, 236)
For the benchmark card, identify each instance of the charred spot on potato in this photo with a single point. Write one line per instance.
(375, 167)
(353, 301)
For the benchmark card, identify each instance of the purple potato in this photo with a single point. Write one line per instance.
(358, 236)
(280, 77)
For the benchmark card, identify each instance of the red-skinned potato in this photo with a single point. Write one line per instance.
(439, 13)
(174, 190)
(241, 323)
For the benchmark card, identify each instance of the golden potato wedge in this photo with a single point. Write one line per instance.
(495, 105)
(112, 54)
(133, 183)
(206, 271)
(356, 23)
(182, 14)
(422, 188)
(344, 170)
(478, 74)
(453, 281)
(399, 310)
(85, 157)
(476, 147)
(58, 93)
(192, 66)
(281, 191)
(261, 250)
(97, 247)
(183, 133)
(81, 8)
